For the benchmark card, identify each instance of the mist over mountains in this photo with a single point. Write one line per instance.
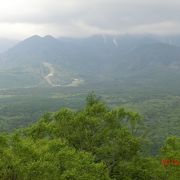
(6, 44)
(47, 61)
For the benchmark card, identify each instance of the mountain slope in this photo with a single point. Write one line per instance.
(30, 63)
(46, 61)
(6, 44)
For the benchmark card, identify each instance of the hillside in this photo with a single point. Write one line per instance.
(6, 44)
(140, 73)
(46, 61)
(93, 143)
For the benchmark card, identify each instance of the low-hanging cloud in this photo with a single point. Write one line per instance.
(21, 18)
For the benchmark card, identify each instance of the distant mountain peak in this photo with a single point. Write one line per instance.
(34, 37)
(49, 37)
(37, 37)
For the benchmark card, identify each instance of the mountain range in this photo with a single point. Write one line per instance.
(51, 62)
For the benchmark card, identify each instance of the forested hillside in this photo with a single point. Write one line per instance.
(138, 73)
(89, 90)
(96, 142)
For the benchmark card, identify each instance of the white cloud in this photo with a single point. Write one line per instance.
(22, 18)
(161, 28)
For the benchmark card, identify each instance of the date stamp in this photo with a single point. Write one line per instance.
(168, 162)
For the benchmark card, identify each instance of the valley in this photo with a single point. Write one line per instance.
(89, 90)
(42, 74)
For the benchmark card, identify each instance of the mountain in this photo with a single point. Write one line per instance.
(47, 61)
(32, 50)
(151, 64)
(36, 61)
(6, 44)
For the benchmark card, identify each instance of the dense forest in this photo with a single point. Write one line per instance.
(97, 142)
(159, 107)
(89, 90)
(138, 72)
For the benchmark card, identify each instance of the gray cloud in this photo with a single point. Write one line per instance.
(21, 18)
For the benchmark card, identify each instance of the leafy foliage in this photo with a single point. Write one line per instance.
(96, 142)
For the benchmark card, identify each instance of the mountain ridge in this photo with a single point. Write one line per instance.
(93, 59)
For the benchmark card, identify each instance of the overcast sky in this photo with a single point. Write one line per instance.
(23, 18)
